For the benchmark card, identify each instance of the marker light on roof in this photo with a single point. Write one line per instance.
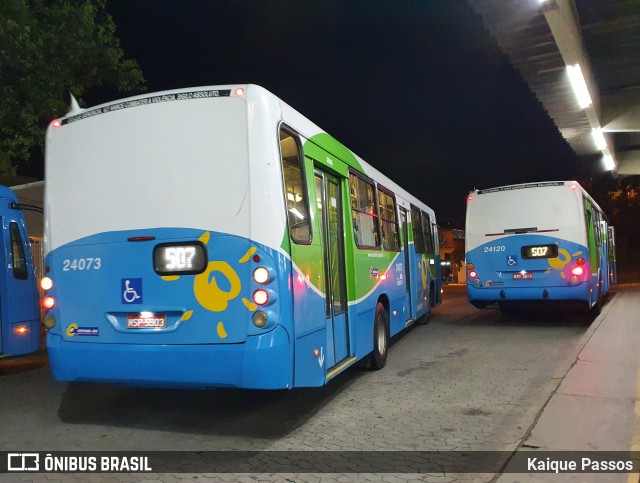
(56, 123)
(239, 91)
(469, 198)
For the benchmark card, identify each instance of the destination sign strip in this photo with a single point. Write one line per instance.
(178, 96)
(521, 186)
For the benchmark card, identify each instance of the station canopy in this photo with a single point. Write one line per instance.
(543, 37)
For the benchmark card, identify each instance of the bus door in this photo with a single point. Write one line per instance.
(404, 222)
(19, 321)
(330, 216)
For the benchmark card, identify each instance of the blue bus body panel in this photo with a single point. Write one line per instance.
(262, 362)
(504, 276)
(19, 311)
(209, 338)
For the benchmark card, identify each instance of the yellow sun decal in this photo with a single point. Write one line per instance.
(249, 305)
(207, 291)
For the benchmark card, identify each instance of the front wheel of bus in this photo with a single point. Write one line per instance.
(380, 338)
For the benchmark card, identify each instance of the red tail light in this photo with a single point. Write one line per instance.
(577, 271)
(48, 302)
(261, 297)
(473, 274)
(580, 261)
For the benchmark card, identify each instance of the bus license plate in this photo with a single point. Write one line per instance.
(522, 276)
(146, 321)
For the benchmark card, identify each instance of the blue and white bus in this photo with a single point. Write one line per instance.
(545, 242)
(214, 236)
(19, 310)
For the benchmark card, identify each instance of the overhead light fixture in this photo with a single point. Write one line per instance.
(579, 85)
(609, 163)
(598, 138)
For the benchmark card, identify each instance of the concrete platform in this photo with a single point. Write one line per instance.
(596, 405)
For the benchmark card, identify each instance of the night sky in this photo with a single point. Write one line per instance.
(418, 89)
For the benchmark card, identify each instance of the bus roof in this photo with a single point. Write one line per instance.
(540, 184)
(295, 119)
(6, 192)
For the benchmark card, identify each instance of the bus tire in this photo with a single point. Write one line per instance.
(426, 318)
(597, 307)
(380, 338)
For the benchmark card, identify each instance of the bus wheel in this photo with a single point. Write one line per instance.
(380, 338)
(597, 308)
(426, 318)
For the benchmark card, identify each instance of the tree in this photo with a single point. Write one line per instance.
(49, 49)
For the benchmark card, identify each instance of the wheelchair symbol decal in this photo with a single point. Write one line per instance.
(131, 290)
(512, 260)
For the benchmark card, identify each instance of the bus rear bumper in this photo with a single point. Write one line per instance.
(486, 296)
(262, 362)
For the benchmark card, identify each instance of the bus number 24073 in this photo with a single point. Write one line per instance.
(82, 264)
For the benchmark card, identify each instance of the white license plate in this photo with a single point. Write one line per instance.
(144, 321)
(522, 276)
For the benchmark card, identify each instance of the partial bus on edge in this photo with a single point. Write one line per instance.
(19, 311)
(214, 236)
(543, 242)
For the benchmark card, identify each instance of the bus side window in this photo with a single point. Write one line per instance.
(18, 260)
(418, 239)
(295, 189)
(363, 213)
(427, 233)
(387, 210)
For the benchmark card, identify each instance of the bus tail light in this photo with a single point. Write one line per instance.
(577, 271)
(580, 261)
(261, 275)
(473, 274)
(46, 283)
(261, 297)
(49, 321)
(260, 319)
(48, 302)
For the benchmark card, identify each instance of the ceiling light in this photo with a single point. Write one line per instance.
(609, 163)
(579, 85)
(598, 138)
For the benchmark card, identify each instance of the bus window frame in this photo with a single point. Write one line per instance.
(415, 210)
(391, 194)
(303, 175)
(375, 216)
(23, 272)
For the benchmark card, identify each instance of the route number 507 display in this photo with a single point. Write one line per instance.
(179, 258)
(540, 251)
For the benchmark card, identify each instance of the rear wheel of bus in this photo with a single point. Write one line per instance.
(380, 338)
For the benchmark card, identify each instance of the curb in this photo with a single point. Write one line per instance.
(532, 416)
